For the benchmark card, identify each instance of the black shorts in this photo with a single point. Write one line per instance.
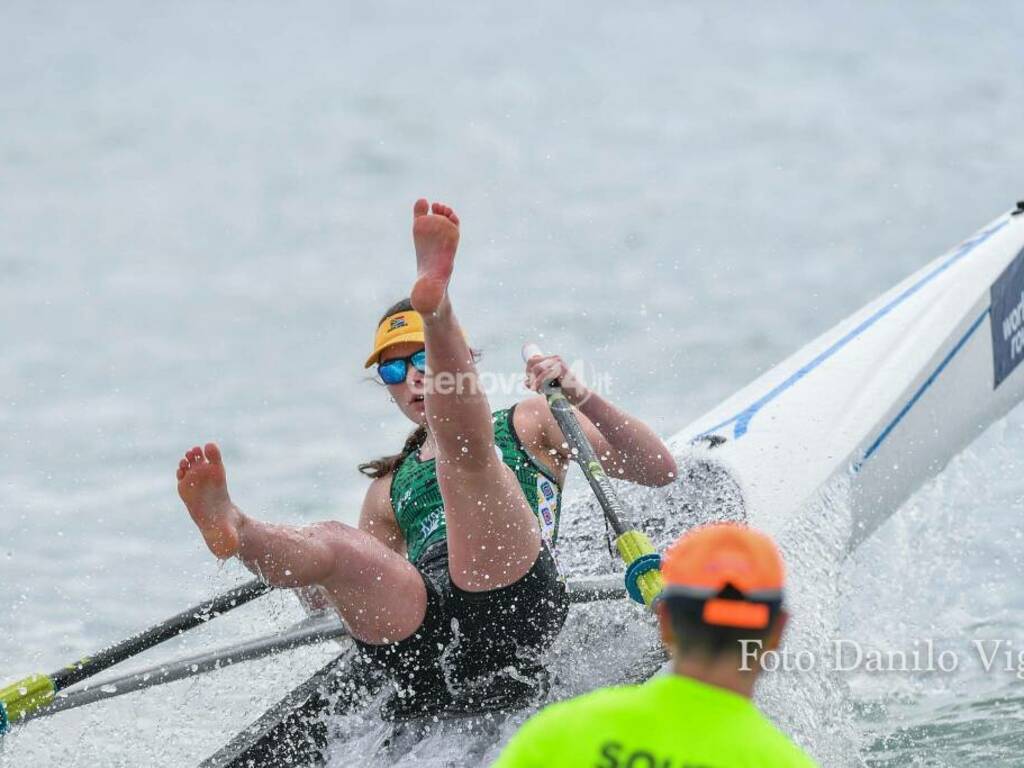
(468, 636)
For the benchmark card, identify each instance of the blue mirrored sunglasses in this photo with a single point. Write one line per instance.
(395, 370)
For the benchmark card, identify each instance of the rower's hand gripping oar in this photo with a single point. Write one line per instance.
(36, 691)
(643, 577)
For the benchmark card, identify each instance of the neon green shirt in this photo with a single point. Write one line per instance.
(668, 722)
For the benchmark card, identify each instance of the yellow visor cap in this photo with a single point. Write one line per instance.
(395, 329)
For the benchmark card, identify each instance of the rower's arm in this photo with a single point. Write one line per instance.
(634, 452)
(377, 517)
(539, 431)
(627, 447)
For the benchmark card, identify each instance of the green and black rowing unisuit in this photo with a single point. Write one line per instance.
(419, 508)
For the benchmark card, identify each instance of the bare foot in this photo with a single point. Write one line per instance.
(203, 486)
(435, 231)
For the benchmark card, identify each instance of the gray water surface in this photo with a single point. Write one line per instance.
(204, 208)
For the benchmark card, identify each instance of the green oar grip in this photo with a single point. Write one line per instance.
(24, 696)
(643, 579)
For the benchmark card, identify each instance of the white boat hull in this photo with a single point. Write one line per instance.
(887, 397)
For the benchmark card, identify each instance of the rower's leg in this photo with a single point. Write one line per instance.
(493, 536)
(379, 594)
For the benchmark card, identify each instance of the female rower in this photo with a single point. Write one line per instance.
(449, 575)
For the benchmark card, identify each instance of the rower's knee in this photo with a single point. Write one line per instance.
(335, 534)
(335, 542)
(350, 547)
(331, 530)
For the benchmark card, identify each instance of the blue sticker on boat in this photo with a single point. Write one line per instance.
(1008, 319)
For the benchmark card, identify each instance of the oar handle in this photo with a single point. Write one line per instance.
(581, 449)
(533, 350)
(643, 579)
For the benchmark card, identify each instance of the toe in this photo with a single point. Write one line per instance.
(421, 207)
(213, 453)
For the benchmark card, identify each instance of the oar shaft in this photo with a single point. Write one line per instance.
(36, 691)
(587, 458)
(581, 449)
(171, 671)
(588, 590)
(643, 580)
(174, 626)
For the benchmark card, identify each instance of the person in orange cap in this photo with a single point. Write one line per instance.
(449, 575)
(723, 586)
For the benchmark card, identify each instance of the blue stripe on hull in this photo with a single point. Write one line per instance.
(743, 418)
(920, 392)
